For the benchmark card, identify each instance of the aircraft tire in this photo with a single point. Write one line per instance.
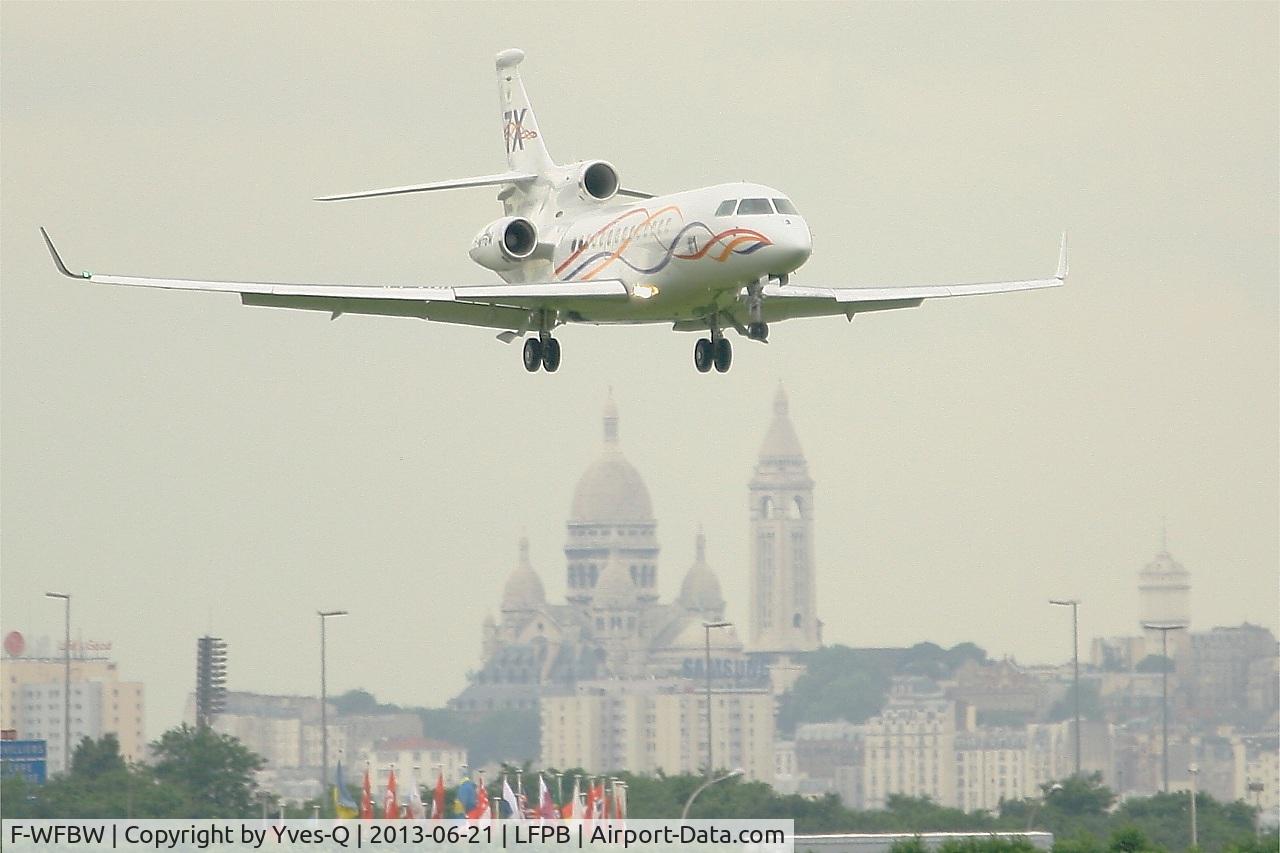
(551, 355)
(703, 355)
(724, 355)
(758, 331)
(532, 354)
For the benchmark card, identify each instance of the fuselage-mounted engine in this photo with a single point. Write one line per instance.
(505, 243)
(597, 181)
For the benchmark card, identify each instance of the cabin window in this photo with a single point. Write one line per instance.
(726, 207)
(749, 206)
(785, 206)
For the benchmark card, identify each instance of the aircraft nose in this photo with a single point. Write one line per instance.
(792, 246)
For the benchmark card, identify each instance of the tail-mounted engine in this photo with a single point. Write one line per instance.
(597, 181)
(505, 243)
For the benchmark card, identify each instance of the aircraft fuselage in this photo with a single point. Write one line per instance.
(680, 254)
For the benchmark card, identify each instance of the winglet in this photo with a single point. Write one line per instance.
(1061, 274)
(57, 259)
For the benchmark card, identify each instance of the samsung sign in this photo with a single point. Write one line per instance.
(737, 670)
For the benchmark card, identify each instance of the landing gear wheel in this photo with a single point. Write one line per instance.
(703, 354)
(724, 355)
(533, 354)
(758, 331)
(551, 355)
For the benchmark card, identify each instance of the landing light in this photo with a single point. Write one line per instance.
(644, 291)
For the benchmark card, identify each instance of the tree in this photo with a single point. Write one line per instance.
(93, 759)
(839, 683)
(1166, 820)
(1079, 795)
(1129, 839)
(214, 771)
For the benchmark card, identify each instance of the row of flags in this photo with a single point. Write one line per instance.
(598, 802)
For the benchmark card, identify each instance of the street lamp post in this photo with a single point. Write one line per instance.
(707, 626)
(1256, 788)
(1074, 604)
(684, 815)
(66, 679)
(1194, 770)
(1164, 630)
(324, 710)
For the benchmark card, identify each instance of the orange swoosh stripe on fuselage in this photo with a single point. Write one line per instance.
(746, 236)
(649, 217)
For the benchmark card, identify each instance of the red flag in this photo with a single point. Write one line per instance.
(482, 804)
(546, 806)
(390, 804)
(589, 810)
(437, 805)
(366, 797)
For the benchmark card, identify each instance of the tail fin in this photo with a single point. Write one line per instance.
(526, 150)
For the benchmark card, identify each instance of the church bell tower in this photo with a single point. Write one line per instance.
(783, 599)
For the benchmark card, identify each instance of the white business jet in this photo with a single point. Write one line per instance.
(575, 246)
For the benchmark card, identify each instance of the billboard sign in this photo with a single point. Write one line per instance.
(25, 758)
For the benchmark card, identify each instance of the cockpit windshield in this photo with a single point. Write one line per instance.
(754, 205)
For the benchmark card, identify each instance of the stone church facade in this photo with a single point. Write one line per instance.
(612, 625)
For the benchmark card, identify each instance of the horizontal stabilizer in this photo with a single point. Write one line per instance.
(457, 183)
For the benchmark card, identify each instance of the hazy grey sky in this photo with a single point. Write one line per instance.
(182, 464)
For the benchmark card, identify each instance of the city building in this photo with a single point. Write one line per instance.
(829, 757)
(659, 725)
(1001, 692)
(1219, 680)
(413, 757)
(910, 748)
(32, 700)
(286, 732)
(992, 765)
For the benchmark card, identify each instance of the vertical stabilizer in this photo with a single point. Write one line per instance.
(526, 150)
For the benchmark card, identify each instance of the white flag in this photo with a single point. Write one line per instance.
(509, 797)
(416, 811)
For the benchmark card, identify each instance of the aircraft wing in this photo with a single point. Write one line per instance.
(499, 306)
(856, 299)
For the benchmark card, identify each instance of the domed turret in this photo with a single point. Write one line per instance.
(700, 591)
(611, 517)
(611, 490)
(523, 590)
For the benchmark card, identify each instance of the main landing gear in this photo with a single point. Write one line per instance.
(541, 352)
(715, 351)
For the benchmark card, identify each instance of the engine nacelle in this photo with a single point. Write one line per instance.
(597, 181)
(505, 243)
